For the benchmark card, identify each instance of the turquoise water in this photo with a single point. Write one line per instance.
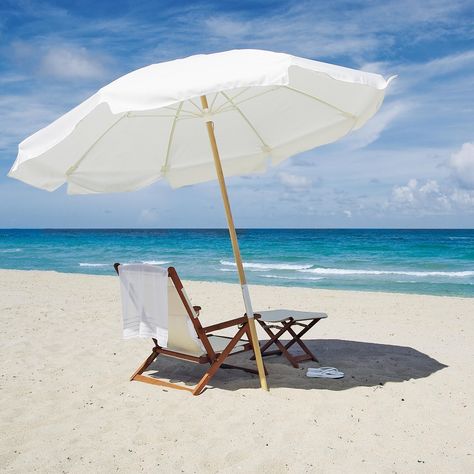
(439, 262)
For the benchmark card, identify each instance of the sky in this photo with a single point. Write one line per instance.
(411, 166)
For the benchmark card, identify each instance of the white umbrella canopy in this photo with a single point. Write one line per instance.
(160, 122)
(148, 124)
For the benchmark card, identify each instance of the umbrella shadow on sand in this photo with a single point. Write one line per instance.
(365, 364)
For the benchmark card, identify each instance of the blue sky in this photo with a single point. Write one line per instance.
(412, 165)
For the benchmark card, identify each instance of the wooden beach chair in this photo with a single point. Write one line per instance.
(189, 341)
(284, 321)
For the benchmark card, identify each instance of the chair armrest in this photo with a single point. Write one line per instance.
(225, 324)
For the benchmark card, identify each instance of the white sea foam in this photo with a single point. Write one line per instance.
(10, 250)
(298, 278)
(268, 266)
(147, 262)
(345, 271)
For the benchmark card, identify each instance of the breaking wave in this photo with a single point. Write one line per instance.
(268, 266)
(344, 271)
(147, 262)
(299, 278)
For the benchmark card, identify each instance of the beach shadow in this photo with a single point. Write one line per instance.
(365, 364)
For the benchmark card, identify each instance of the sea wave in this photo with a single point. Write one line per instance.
(10, 250)
(299, 278)
(346, 271)
(147, 262)
(268, 266)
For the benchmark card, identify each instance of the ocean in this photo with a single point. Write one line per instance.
(437, 262)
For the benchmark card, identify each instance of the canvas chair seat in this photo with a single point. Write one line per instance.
(181, 330)
(285, 321)
(219, 343)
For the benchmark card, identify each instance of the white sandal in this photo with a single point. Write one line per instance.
(324, 373)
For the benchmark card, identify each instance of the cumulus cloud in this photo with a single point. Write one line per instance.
(462, 166)
(294, 181)
(430, 197)
(405, 194)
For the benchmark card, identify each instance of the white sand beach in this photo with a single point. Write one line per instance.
(405, 404)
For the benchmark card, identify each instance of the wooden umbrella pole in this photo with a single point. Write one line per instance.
(235, 247)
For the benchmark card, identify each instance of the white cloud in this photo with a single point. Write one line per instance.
(463, 198)
(429, 188)
(405, 194)
(324, 29)
(71, 62)
(294, 181)
(348, 213)
(227, 27)
(431, 197)
(374, 128)
(462, 165)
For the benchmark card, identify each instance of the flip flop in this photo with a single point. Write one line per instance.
(324, 373)
(320, 369)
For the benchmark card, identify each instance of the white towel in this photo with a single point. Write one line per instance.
(144, 291)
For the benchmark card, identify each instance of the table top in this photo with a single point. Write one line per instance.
(276, 315)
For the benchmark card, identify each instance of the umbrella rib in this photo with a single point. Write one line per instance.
(243, 91)
(258, 95)
(245, 118)
(252, 97)
(213, 101)
(197, 106)
(343, 112)
(221, 107)
(170, 140)
(74, 167)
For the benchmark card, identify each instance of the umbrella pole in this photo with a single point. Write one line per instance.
(235, 248)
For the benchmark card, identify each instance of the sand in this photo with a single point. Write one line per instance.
(405, 404)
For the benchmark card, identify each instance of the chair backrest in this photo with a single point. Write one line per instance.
(183, 324)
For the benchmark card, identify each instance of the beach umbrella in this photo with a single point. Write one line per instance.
(197, 119)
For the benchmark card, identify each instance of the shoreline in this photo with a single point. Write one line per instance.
(252, 285)
(403, 405)
(423, 262)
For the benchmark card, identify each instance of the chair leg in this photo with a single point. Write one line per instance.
(215, 364)
(297, 339)
(274, 339)
(145, 364)
(218, 362)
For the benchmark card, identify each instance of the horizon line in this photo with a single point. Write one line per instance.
(237, 228)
